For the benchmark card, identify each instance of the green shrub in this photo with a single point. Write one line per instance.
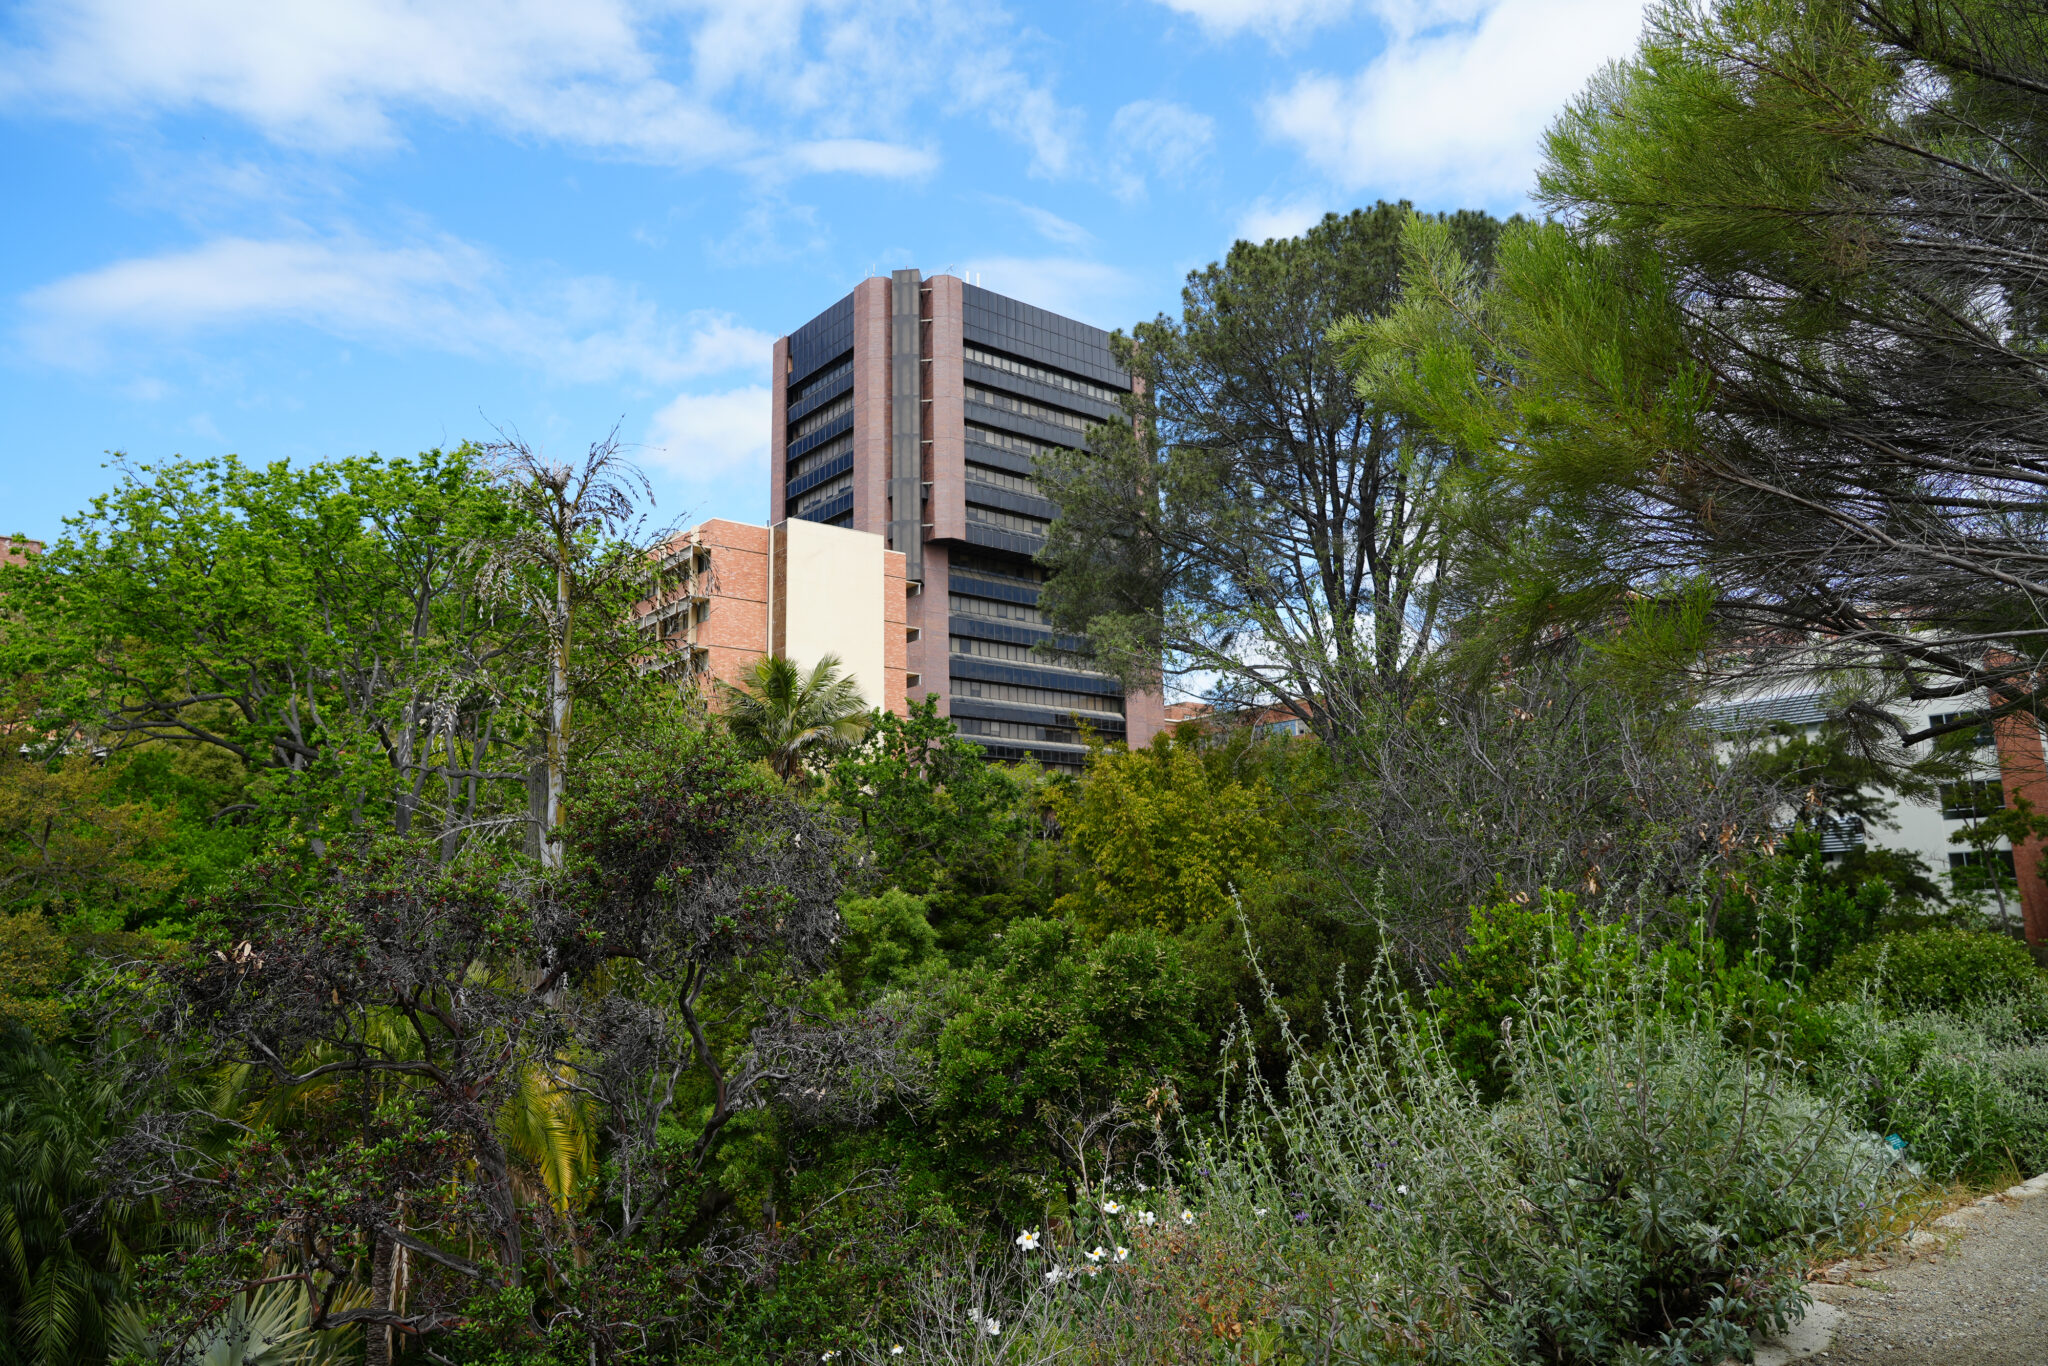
(1962, 1103)
(1508, 949)
(1942, 970)
(1645, 1192)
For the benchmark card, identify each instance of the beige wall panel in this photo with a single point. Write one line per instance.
(830, 586)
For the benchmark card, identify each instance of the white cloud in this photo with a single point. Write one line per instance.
(1044, 222)
(1282, 18)
(702, 438)
(682, 82)
(1087, 290)
(1289, 218)
(986, 81)
(1460, 112)
(1226, 17)
(858, 156)
(445, 295)
(1169, 137)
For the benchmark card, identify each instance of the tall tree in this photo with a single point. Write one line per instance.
(1778, 359)
(1258, 521)
(576, 562)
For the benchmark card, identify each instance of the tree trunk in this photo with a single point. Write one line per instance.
(377, 1336)
(558, 724)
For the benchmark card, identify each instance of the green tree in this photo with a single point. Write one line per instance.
(66, 1255)
(1163, 839)
(1774, 355)
(792, 719)
(1258, 519)
(70, 848)
(1062, 1064)
(322, 625)
(939, 821)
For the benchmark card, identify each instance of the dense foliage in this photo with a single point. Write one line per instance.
(398, 964)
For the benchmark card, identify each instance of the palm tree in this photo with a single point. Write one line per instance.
(787, 717)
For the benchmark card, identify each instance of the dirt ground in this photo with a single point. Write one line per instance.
(1970, 1291)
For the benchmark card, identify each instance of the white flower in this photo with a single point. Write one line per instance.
(828, 1356)
(1142, 1188)
(1092, 1270)
(1187, 1216)
(1147, 1218)
(992, 1326)
(1123, 1254)
(1400, 1190)
(896, 1349)
(1055, 1276)
(1097, 1255)
(1261, 1211)
(1112, 1207)
(1028, 1240)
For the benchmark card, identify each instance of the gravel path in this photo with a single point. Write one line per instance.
(1971, 1290)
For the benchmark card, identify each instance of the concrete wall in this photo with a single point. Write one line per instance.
(831, 597)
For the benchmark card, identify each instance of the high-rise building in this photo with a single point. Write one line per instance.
(916, 408)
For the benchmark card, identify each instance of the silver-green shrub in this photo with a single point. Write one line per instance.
(1646, 1193)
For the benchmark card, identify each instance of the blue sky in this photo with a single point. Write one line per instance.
(301, 230)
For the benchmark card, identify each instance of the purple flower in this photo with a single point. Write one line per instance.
(1301, 1216)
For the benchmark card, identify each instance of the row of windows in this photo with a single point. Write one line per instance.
(995, 611)
(1101, 393)
(818, 383)
(1016, 730)
(830, 451)
(1037, 697)
(1014, 568)
(1010, 441)
(1009, 521)
(824, 494)
(1024, 407)
(838, 408)
(1002, 479)
(1003, 650)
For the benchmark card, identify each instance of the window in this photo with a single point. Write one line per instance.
(912, 680)
(824, 494)
(1010, 441)
(1013, 522)
(1982, 739)
(819, 382)
(1014, 569)
(1038, 697)
(1016, 730)
(831, 412)
(911, 633)
(1979, 870)
(1970, 800)
(1024, 407)
(1015, 654)
(1002, 479)
(825, 454)
(1101, 393)
(994, 610)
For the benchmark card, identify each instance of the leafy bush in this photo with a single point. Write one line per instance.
(1060, 1059)
(1937, 970)
(1644, 1193)
(1964, 1102)
(1509, 948)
